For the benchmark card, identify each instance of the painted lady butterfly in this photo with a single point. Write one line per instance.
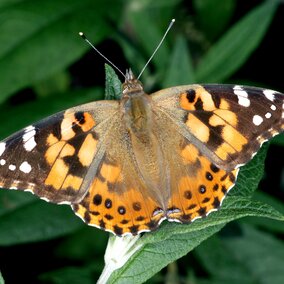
(125, 166)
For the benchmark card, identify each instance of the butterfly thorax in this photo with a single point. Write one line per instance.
(136, 107)
(140, 124)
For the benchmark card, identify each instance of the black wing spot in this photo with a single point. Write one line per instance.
(108, 217)
(136, 206)
(209, 176)
(202, 189)
(102, 224)
(216, 186)
(121, 210)
(80, 117)
(190, 95)
(216, 203)
(202, 211)
(108, 203)
(134, 229)
(214, 168)
(97, 200)
(192, 206)
(117, 230)
(187, 194)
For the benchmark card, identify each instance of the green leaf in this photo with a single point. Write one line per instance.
(113, 84)
(37, 221)
(244, 256)
(212, 16)
(84, 245)
(1, 279)
(151, 19)
(272, 225)
(249, 177)
(279, 140)
(234, 48)
(45, 31)
(180, 71)
(74, 275)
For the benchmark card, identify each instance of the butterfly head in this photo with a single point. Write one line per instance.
(131, 86)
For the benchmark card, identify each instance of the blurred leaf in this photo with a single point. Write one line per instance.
(74, 275)
(11, 200)
(40, 50)
(113, 85)
(250, 256)
(58, 83)
(1, 279)
(233, 49)
(37, 221)
(212, 16)
(272, 225)
(279, 140)
(180, 71)
(84, 245)
(143, 21)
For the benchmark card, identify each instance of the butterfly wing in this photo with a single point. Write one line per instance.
(53, 157)
(227, 123)
(206, 133)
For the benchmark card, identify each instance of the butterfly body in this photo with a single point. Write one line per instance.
(125, 166)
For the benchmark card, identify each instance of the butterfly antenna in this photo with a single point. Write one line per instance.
(158, 46)
(82, 35)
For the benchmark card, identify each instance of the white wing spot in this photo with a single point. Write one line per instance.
(28, 138)
(273, 107)
(243, 99)
(257, 120)
(268, 115)
(25, 167)
(12, 167)
(269, 94)
(2, 148)
(239, 91)
(2, 162)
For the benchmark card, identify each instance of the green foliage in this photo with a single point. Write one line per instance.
(243, 247)
(234, 47)
(40, 49)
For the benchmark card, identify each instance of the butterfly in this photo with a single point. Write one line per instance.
(125, 166)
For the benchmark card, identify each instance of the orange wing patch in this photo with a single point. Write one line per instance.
(202, 190)
(61, 149)
(114, 206)
(212, 121)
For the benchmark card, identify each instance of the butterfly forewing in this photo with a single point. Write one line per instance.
(228, 123)
(52, 157)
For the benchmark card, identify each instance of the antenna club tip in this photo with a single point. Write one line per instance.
(82, 35)
(173, 20)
